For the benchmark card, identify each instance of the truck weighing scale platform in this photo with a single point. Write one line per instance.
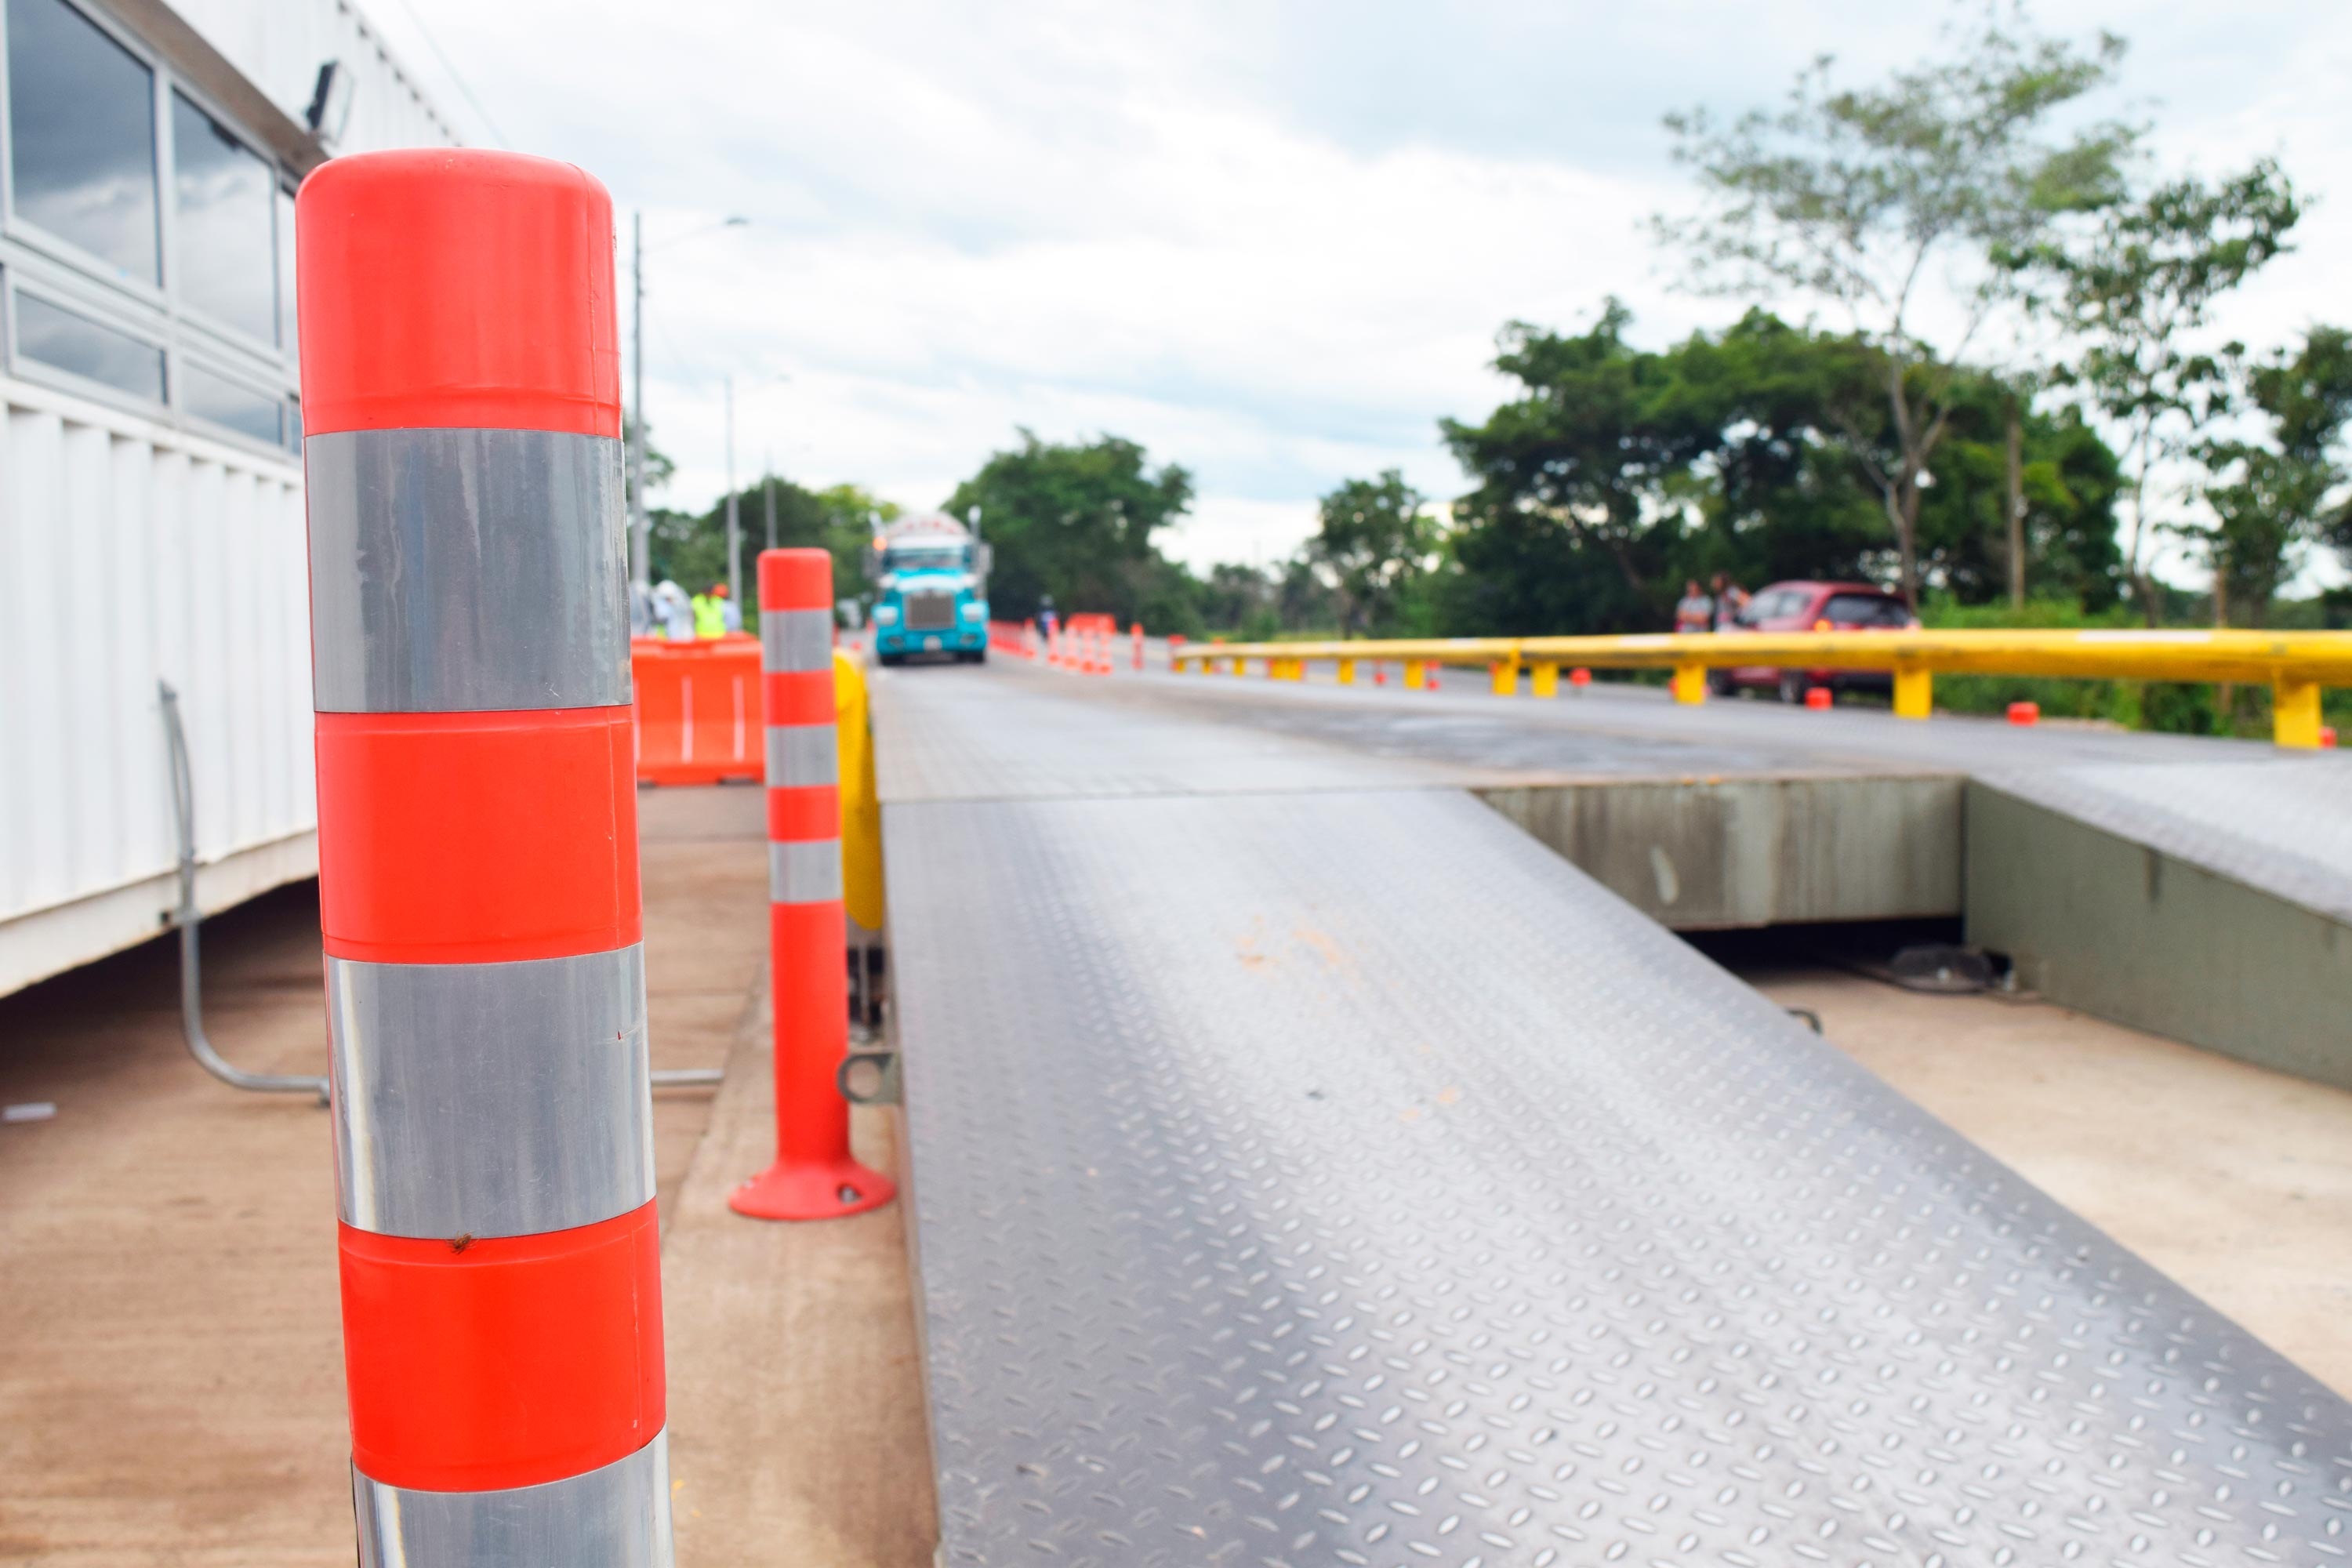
(1306, 1167)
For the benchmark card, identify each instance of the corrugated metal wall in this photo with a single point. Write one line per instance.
(279, 44)
(130, 554)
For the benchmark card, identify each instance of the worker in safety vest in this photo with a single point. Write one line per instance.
(710, 612)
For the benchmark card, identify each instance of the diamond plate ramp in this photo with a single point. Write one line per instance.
(1343, 1179)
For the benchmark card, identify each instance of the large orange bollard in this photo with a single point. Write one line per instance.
(814, 1175)
(477, 862)
(1138, 648)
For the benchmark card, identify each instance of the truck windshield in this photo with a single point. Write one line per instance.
(925, 557)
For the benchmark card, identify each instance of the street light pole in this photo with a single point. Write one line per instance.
(768, 470)
(734, 529)
(641, 544)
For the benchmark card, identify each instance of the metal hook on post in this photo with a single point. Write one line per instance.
(188, 916)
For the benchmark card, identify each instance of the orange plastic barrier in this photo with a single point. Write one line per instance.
(698, 713)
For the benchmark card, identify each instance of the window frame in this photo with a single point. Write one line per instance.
(220, 370)
(63, 274)
(31, 234)
(194, 315)
(13, 281)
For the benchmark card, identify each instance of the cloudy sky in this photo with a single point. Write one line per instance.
(1271, 241)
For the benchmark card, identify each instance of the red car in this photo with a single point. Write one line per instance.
(1803, 606)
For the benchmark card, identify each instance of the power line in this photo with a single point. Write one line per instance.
(450, 65)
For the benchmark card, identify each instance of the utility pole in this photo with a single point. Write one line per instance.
(768, 468)
(734, 528)
(641, 544)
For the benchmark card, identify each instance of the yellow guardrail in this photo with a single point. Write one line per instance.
(2294, 665)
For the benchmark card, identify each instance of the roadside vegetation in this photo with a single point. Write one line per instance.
(1977, 365)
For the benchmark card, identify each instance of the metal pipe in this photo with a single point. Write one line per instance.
(686, 1078)
(189, 916)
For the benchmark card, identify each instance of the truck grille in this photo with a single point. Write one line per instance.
(930, 612)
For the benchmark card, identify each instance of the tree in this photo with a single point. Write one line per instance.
(2272, 498)
(691, 547)
(1374, 539)
(1075, 521)
(1867, 199)
(1573, 467)
(2134, 289)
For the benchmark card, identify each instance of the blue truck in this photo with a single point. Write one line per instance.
(930, 578)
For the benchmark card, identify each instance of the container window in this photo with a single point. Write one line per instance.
(68, 341)
(230, 404)
(224, 207)
(81, 135)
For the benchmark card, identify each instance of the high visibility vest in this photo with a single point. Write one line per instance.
(709, 616)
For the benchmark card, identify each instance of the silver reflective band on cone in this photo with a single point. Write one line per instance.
(802, 754)
(796, 640)
(804, 873)
(492, 571)
(489, 1099)
(615, 1517)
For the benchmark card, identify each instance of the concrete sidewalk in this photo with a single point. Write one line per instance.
(170, 1361)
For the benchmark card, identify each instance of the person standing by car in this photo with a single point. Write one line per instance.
(1730, 598)
(1695, 612)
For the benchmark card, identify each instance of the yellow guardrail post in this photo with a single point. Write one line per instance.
(1416, 675)
(861, 808)
(1690, 683)
(1544, 680)
(1503, 676)
(1347, 672)
(1915, 693)
(2294, 713)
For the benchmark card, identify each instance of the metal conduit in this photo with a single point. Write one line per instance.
(189, 916)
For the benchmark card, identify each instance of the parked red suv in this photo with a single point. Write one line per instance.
(1815, 606)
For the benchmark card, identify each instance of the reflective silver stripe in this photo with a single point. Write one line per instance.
(795, 639)
(805, 873)
(801, 754)
(490, 1098)
(616, 1516)
(467, 571)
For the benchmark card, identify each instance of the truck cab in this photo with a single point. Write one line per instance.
(930, 577)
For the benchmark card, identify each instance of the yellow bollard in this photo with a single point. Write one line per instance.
(1293, 670)
(1915, 693)
(1347, 672)
(2294, 713)
(1544, 680)
(1415, 678)
(1241, 667)
(861, 811)
(1503, 677)
(1690, 683)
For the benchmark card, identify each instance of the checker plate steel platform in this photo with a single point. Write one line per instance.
(1341, 1178)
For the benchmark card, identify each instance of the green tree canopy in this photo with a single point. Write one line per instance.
(2275, 497)
(2133, 288)
(1076, 520)
(1867, 199)
(1375, 542)
(691, 547)
(1618, 472)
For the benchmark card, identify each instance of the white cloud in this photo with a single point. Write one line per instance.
(1272, 242)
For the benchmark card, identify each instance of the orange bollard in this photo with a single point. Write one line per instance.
(2327, 736)
(1429, 682)
(1138, 648)
(814, 1175)
(2025, 714)
(477, 861)
(1579, 678)
(1818, 697)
